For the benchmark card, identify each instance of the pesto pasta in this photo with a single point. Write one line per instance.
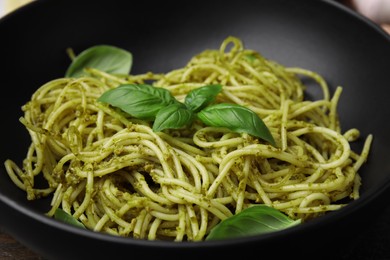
(116, 175)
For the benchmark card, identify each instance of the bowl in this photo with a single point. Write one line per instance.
(323, 36)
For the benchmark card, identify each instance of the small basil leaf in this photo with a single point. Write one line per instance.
(250, 57)
(199, 98)
(141, 101)
(63, 216)
(237, 118)
(255, 220)
(107, 58)
(173, 116)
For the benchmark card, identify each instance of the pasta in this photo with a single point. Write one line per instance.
(114, 174)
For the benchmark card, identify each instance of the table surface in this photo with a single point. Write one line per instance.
(12, 249)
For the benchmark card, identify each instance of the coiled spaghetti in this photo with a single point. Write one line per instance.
(117, 176)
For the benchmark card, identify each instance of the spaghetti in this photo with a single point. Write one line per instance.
(115, 175)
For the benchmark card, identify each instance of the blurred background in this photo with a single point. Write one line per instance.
(7, 6)
(376, 10)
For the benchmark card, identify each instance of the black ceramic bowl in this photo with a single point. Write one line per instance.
(322, 36)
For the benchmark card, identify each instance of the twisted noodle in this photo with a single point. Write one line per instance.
(116, 175)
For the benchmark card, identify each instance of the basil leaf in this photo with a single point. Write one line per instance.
(107, 58)
(173, 116)
(63, 216)
(255, 220)
(237, 118)
(141, 101)
(250, 57)
(199, 98)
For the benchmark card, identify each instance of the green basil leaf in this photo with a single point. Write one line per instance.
(63, 216)
(255, 220)
(237, 118)
(199, 98)
(250, 57)
(107, 58)
(141, 101)
(173, 116)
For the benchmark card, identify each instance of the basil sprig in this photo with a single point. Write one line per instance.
(255, 220)
(154, 103)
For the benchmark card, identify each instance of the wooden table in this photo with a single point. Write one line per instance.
(11, 249)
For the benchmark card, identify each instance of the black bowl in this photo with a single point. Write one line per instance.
(322, 36)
